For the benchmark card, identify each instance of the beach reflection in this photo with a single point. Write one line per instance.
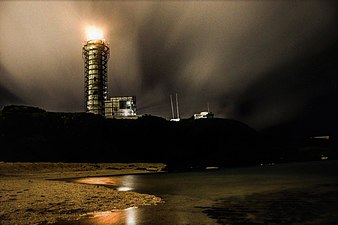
(125, 183)
(230, 196)
(118, 217)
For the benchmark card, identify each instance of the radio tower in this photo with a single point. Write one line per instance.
(95, 53)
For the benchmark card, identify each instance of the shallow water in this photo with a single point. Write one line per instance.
(294, 193)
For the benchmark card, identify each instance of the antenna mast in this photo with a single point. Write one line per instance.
(172, 107)
(178, 113)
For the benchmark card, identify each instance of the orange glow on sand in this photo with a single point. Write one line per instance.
(115, 181)
(121, 184)
(93, 33)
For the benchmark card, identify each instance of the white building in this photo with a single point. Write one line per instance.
(123, 107)
(203, 115)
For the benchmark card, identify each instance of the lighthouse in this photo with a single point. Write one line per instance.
(95, 53)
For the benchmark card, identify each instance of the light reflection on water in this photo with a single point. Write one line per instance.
(125, 183)
(118, 217)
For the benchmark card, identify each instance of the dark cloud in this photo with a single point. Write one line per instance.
(262, 62)
(306, 87)
(8, 90)
(8, 97)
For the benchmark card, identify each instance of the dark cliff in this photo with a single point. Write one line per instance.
(33, 134)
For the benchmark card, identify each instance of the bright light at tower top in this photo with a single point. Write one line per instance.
(94, 33)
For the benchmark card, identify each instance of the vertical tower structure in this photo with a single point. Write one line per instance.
(95, 54)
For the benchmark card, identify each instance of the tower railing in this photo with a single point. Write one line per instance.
(95, 54)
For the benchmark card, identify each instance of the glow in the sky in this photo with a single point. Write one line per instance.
(94, 33)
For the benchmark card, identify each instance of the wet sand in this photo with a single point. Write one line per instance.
(308, 197)
(290, 207)
(29, 193)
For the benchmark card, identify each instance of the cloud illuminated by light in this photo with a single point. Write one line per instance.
(94, 33)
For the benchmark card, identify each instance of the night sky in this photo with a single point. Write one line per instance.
(264, 63)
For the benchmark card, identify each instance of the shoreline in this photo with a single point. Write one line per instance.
(34, 193)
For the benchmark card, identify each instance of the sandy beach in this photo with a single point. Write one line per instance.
(29, 193)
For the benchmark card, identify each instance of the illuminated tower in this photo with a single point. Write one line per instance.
(95, 54)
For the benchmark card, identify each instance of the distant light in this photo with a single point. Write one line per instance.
(323, 157)
(94, 33)
(211, 168)
(175, 119)
(124, 189)
(327, 137)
